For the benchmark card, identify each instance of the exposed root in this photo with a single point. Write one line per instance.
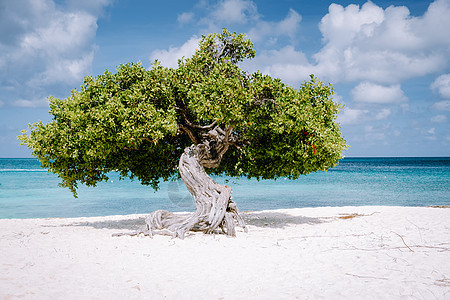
(215, 210)
(176, 225)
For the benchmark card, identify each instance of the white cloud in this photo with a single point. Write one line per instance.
(439, 119)
(285, 63)
(30, 103)
(352, 116)
(47, 46)
(442, 105)
(63, 70)
(342, 25)
(430, 134)
(367, 92)
(66, 44)
(229, 13)
(185, 17)
(290, 24)
(169, 58)
(66, 33)
(383, 114)
(442, 85)
(383, 46)
(271, 31)
(94, 7)
(235, 11)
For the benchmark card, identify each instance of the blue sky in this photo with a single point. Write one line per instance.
(388, 60)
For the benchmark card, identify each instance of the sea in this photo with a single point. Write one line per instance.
(28, 191)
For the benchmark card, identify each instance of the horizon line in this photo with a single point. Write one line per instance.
(353, 156)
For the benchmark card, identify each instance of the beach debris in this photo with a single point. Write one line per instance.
(403, 241)
(346, 216)
(350, 216)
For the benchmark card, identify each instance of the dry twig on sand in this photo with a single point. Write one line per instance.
(403, 241)
(354, 215)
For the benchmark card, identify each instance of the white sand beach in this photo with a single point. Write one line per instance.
(368, 252)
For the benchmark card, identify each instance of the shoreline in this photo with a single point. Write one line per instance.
(143, 215)
(370, 252)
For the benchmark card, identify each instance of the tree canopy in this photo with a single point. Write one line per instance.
(138, 121)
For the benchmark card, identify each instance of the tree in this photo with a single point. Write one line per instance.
(205, 117)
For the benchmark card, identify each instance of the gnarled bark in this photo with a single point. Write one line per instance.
(214, 206)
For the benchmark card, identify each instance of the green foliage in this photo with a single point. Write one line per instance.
(294, 135)
(136, 121)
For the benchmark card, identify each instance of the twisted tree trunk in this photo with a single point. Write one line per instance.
(214, 206)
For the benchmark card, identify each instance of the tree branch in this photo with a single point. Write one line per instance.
(264, 100)
(221, 51)
(225, 143)
(190, 124)
(148, 140)
(219, 130)
(227, 133)
(189, 133)
(202, 127)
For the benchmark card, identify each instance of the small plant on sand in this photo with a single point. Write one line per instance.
(205, 117)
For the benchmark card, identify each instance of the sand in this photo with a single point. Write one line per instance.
(309, 253)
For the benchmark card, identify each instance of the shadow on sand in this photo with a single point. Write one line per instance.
(276, 219)
(258, 219)
(128, 224)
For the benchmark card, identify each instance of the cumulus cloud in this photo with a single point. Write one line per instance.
(383, 46)
(352, 116)
(264, 30)
(47, 45)
(285, 63)
(367, 92)
(234, 11)
(442, 86)
(169, 58)
(342, 25)
(275, 62)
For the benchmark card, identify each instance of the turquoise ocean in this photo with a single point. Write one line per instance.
(27, 191)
